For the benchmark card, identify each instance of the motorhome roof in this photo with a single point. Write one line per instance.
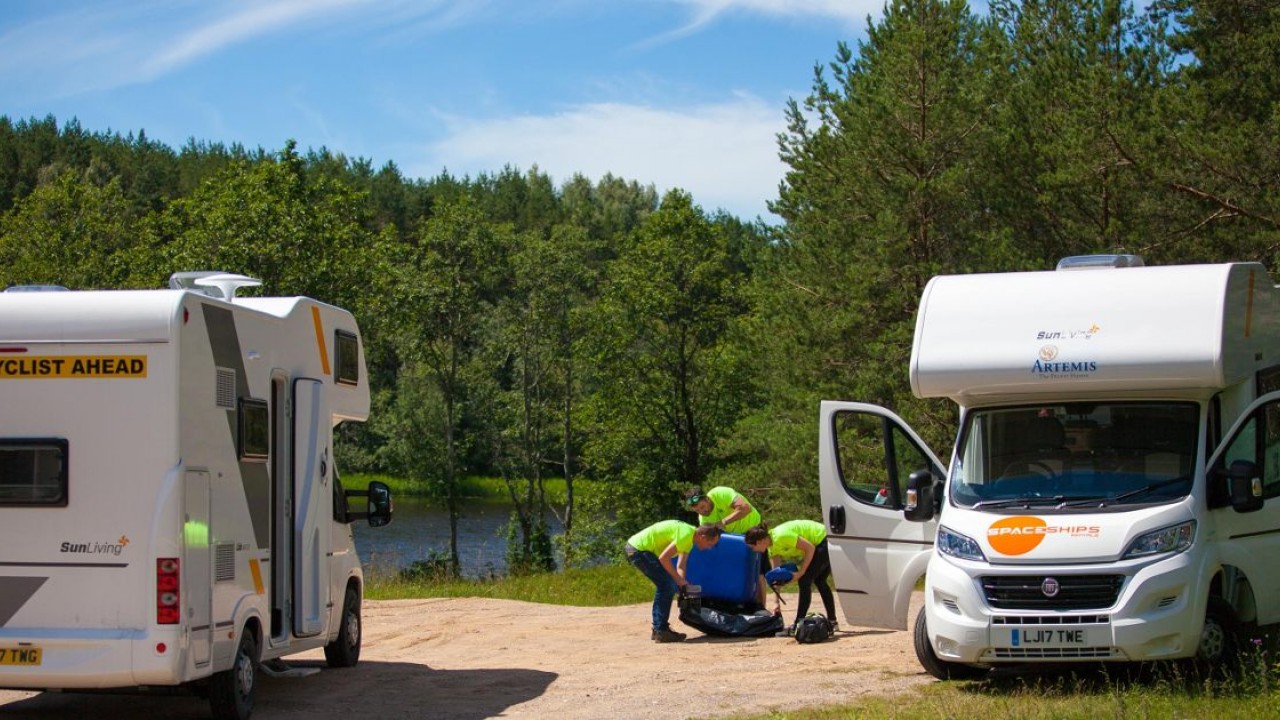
(1131, 329)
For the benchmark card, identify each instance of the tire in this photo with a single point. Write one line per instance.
(1219, 648)
(344, 651)
(231, 691)
(936, 667)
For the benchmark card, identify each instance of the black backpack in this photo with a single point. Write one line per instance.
(813, 628)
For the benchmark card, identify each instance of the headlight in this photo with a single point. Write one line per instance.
(956, 545)
(1173, 539)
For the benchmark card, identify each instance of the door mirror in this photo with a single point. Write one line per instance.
(922, 497)
(1245, 483)
(379, 507)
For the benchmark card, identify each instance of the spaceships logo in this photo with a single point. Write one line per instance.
(1022, 534)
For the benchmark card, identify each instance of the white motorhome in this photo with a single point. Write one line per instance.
(1113, 489)
(169, 508)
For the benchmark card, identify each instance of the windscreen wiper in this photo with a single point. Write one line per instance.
(1152, 487)
(1026, 501)
(1104, 500)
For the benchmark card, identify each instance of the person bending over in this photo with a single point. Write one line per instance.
(651, 551)
(723, 507)
(803, 542)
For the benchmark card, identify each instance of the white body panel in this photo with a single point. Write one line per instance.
(1052, 575)
(154, 469)
(991, 337)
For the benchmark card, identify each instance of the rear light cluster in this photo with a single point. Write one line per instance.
(168, 595)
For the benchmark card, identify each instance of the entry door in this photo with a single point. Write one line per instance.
(312, 458)
(865, 454)
(196, 535)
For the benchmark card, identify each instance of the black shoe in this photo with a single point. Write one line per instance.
(667, 635)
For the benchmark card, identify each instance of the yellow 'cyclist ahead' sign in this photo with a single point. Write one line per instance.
(73, 366)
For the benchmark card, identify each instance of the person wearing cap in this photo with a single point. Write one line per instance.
(651, 551)
(728, 510)
(723, 507)
(803, 542)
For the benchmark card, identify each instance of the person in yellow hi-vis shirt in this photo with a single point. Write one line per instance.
(723, 507)
(728, 510)
(651, 550)
(803, 542)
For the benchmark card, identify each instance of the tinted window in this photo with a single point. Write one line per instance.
(255, 430)
(347, 366)
(33, 472)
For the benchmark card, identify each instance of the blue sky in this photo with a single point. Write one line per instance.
(677, 93)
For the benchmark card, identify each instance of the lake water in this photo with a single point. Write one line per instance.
(419, 528)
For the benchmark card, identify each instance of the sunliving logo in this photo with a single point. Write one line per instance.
(96, 548)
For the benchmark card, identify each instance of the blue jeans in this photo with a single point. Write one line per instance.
(649, 564)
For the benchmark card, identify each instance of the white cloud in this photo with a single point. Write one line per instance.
(725, 154)
(242, 23)
(116, 43)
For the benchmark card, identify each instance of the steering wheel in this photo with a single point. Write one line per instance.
(1022, 467)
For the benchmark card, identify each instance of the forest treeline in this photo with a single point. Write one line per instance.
(633, 344)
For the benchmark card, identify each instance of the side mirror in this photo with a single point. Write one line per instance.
(379, 508)
(1245, 484)
(922, 497)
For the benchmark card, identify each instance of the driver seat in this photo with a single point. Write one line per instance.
(1045, 449)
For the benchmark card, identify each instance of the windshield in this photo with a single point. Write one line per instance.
(1076, 455)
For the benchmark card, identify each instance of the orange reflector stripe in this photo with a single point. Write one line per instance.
(1248, 308)
(257, 576)
(324, 352)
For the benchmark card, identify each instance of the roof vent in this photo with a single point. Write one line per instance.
(1094, 262)
(212, 283)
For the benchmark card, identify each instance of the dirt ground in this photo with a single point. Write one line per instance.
(472, 659)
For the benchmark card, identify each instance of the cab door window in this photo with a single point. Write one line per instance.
(1258, 441)
(875, 458)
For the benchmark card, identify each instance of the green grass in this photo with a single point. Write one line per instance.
(1038, 702)
(1085, 693)
(599, 586)
(472, 488)
(1091, 694)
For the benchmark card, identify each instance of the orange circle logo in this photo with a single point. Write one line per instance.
(1016, 535)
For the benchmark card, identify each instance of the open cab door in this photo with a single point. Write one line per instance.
(876, 475)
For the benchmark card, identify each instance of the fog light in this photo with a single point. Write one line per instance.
(947, 647)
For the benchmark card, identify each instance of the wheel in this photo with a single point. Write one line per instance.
(344, 651)
(936, 667)
(1219, 647)
(231, 691)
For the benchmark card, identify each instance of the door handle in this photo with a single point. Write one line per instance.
(835, 518)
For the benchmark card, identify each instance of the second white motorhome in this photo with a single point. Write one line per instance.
(1114, 490)
(169, 505)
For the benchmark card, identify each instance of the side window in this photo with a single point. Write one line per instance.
(876, 457)
(346, 368)
(1258, 441)
(33, 472)
(255, 430)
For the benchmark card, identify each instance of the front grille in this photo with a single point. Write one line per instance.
(1084, 653)
(1075, 592)
(1050, 619)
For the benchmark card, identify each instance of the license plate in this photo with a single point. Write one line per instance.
(1048, 637)
(20, 656)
